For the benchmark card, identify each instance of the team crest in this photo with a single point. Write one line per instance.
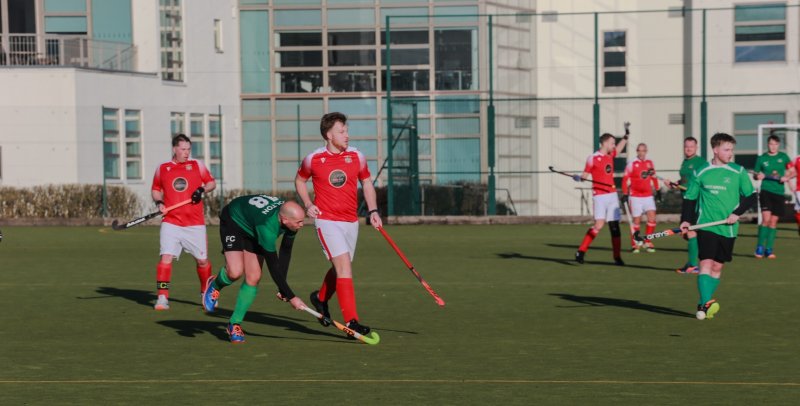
(189, 167)
(180, 184)
(337, 178)
(726, 180)
(608, 168)
(348, 160)
(323, 160)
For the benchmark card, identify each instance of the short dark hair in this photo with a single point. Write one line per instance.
(605, 137)
(692, 139)
(774, 137)
(720, 138)
(329, 120)
(178, 138)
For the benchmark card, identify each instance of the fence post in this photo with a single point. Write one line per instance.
(389, 118)
(492, 198)
(596, 106)
(703, 104)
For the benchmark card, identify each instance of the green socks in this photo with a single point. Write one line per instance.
(222, 279)
(706, 285)
(693, 252)
(770, 237)
(762, 236)
(247, 294)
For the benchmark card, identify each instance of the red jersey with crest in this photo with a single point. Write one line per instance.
(177, 181)
(641, 174)
(601, 167)
(335, 178)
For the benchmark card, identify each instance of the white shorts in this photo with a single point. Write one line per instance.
(641, 205)
(192, 239)
(606, 207)
(337, 237)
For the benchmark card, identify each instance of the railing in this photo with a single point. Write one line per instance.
(61, 50)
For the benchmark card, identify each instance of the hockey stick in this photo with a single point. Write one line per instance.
(582, 180)
(677, 230)
(436, 297)
(116, 226)
(372, 339)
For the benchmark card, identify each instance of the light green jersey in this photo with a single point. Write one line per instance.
(687, 169)
(718, 189)
(773, 166)
(257, 215)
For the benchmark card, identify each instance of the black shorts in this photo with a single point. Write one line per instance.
(714, 246)
(232, 236)
(772, 202)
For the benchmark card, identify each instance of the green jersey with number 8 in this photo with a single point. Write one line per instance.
(257, 215)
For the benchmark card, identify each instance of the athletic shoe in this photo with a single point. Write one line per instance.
(579, 256)
(707, 310)
(162, 303)
(236, 333)
(210, 296)
(769, 254)
(650, 247)
(321, 308)
(688, 269)
(759, 252)
(635, 250)
(358, 328)
(618, 261)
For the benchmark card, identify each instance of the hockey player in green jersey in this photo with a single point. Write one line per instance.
(720, 190)
(771, 171)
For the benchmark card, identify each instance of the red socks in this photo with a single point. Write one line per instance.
(633, 242)
(797, 217)
(163, 276)
(203, 272)
(347, 298)
(587, 239)
(328, 286)
(651, 228)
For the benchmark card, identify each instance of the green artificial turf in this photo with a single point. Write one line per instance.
(524, 324)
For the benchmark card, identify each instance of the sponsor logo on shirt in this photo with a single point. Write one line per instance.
(608, 168)
(180, 184)
(337, 178)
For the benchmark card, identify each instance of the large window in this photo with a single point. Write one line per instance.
(298, 62)
(760, 32)
(456, 59)
(614, 59)
(215, 145)
(197, 133)
(171, 40)
(122, 144)
(745, 129)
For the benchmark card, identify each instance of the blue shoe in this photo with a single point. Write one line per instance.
(759, 252)
(769, 254)
(210, 296)
(236, 333)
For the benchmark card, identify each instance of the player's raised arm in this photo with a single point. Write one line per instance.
(624, 141)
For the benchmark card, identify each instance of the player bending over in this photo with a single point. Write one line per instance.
(720, 190)
(600, 166)
(770, 170)
(642, 177)
(249, 227)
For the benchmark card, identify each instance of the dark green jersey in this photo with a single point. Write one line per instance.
(687, 168)
(718, 190)
(773, 166)
(257, 215)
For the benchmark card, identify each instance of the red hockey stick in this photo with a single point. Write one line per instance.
(438, 299)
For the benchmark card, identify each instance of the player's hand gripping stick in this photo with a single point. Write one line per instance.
(676, 230)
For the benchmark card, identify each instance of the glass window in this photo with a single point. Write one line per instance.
(354, 107)
(217, 35)
(408, 80)
(284, 18)
(22, 17)
(299, 58)
(65, 25)
(352, 81)
(459, 159)
(359, 57)
(255, 109)
(614, 59)
(465, 14)
(406, 37)
(298, 39)
(351, 38)
(177, 124)
(215, 145)
(351, 16)
(197, 134)
(308, 107)
(171, 40)
(458, 105)
(111, 153)
(362, 128)
(760, 32)
(300, 82)
(456, 59)
(407, 57)
(402, 15)
(254, 58)
(287, 129)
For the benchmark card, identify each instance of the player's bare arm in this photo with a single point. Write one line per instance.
(372, 203)
(300, 184)
(158, 199)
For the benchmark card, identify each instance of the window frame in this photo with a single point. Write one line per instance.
(784, 42)
(173, 72)
(609, 69)
(121, 137)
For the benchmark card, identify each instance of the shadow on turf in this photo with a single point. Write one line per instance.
(142, 297)
(683, 250)
(594, 301)
(562, 261)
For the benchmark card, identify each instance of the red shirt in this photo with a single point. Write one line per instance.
(335, 177)
(796, 165)
(601, 167)
(642, 180)
(178, 182)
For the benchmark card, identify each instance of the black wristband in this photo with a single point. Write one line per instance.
(157, 202)
(369, 213)
(625, 137)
